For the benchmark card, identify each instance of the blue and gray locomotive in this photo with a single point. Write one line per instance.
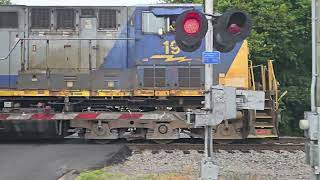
(114, 72)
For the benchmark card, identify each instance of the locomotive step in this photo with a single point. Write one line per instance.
(263, 116)
(251, 136)
(264, 126)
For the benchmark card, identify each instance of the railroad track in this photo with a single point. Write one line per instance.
(286, 144)
(226, 147)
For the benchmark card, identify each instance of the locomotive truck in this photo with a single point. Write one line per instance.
(116, 72)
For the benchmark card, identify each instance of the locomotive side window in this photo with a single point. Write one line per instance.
(65, 18)
(8, 20)
(87, 12)
(152, 23)
(107, 19)
(40, 18)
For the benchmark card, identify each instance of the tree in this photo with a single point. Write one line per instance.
(4, 2)
(282, 32)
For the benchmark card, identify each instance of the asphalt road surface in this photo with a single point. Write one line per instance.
(51, 161)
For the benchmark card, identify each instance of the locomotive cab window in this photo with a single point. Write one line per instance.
(40, 18)
(65, 18)
(152, 23)
(171, 23)
(158, 24)
(8, 20)
(107, 19)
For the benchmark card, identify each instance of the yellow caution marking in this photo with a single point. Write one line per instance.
(143, 93)
(171, 58)
(101, 93)
(112, 93)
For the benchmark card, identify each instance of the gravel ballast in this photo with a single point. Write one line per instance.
(281, 165)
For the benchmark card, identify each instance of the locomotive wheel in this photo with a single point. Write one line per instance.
(163, 141)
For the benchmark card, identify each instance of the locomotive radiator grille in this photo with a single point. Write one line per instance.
(107, 19)
(189, 77)
(154, 77)
(66, 18)
(40, 18)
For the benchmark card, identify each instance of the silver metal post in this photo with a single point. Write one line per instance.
(314, 56)
(313, 155)
(209, 169)
(209, 76)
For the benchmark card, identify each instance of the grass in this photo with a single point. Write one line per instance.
(102, 174)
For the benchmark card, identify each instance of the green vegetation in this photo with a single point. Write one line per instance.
(103, 174)
(4, 2)
(100, 175)
(282, 32)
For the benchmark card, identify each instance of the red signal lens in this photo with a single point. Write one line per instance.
(234, 29)
(191, 24)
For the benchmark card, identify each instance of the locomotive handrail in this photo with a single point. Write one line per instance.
(11, 50)
(88, 39)
(52, 39)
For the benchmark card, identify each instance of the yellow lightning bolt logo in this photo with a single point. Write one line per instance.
(171, 58)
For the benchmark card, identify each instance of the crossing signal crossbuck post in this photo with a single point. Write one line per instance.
(231, 27)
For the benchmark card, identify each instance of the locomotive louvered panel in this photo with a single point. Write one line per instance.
(160, 82)
(195, 72)
(107, 19)
(160, 73)
(8, 20)
(87, 12)
(154, 77)
(189, 77)
(40, 18)
(160, 77)
(183, 77)
(183, 72)
(184, 82)
(148, 72)
(148, 82)
(65, 18)
(195, 80)
(148, 77)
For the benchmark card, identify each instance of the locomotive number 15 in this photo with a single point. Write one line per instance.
(171, 47)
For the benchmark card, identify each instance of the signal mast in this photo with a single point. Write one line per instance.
(222, 33)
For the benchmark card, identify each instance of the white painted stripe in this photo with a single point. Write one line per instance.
(110, 116)
(19, 116)
(64, 116)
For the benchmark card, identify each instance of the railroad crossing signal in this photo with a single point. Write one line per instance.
(191, 28)
(231, 27)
